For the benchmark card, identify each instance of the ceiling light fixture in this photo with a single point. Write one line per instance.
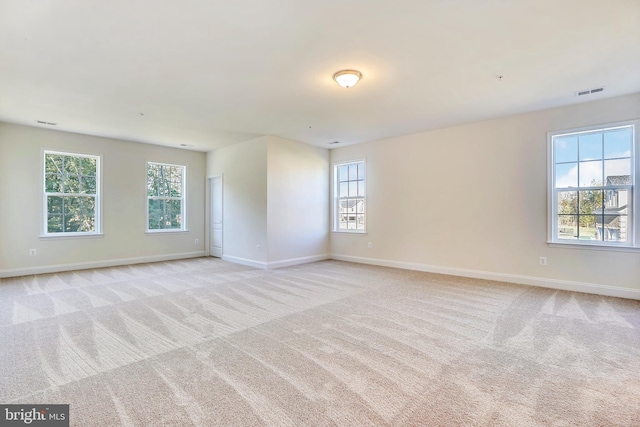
(347, 78)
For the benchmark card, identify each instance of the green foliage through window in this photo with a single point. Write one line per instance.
(71, 191)
(165, 196)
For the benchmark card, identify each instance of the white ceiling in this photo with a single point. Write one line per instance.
(211, 73)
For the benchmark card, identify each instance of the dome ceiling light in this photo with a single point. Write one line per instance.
(347, 78)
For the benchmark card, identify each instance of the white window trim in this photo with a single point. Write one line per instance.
(44, 234)
(633, 245)
(184, 227)
(334, 198)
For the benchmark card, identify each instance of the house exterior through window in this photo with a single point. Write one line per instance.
(349, 197)
(592, 186)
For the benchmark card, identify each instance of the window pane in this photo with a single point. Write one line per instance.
(617, 143)
(616, 201)
(590, 146)
(54, 223)
(351, 222)
(614, 228)
(617, 172)
(89, 166)
(360, 188)
(88, 185)
(86, 216)
(176, 188)
(360, 206)
(72, 165)
(54, 205)
(360, 170)
(590, 174)
(591, 202)
(344, 189)
(568, 227)
(567, 175)
(53, 163)
(342, 224)
(566, 149)
(152, 181)
(175, 216)
(360, 222)
(353, 188)
(353, 172)
(343, 173)
(53, 183)
(155, 214)
(587, 229)
(71, 223)
(567, 202)
(71, 184)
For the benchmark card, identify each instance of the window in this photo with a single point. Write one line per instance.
(349, 197)
(593, 185)
(71, 194)
(166, 197)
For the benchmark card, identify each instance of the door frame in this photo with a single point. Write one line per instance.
(209, 212)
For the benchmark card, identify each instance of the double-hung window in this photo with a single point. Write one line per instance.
(71, 194)
(166, 198)
(593, 185)
(349, 200)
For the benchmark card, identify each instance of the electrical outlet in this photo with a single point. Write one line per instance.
(33, 252)
(369, 245)
(543, 260)
(197, 241)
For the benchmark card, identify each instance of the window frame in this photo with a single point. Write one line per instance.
(183, 198)
(98, 197)
(335, 227)
(633, 219)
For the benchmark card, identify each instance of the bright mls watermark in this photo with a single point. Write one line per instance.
(34, 415)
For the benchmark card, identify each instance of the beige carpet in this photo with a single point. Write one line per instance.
(203, 342)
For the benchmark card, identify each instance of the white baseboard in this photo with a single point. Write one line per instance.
(275, 264)
(566, 285)
(295, 261)
(245, 261)
(96, 264)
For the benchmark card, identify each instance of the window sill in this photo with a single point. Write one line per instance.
(349, 232)
(65, 236)
(593, 247)
(151, 232)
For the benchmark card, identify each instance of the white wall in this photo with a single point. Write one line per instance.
(244, 170)
(472, 200)
(275, 196)
(123, 201)
(298, 197)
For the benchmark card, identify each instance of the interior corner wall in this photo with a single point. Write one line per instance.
(298, 201)
(472, 199)
(244, 207)
(123, 203)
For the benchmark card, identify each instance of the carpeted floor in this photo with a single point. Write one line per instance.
(203, 342)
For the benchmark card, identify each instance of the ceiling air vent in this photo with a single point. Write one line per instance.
(334, 142)
(589, 91)
(42, 122)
